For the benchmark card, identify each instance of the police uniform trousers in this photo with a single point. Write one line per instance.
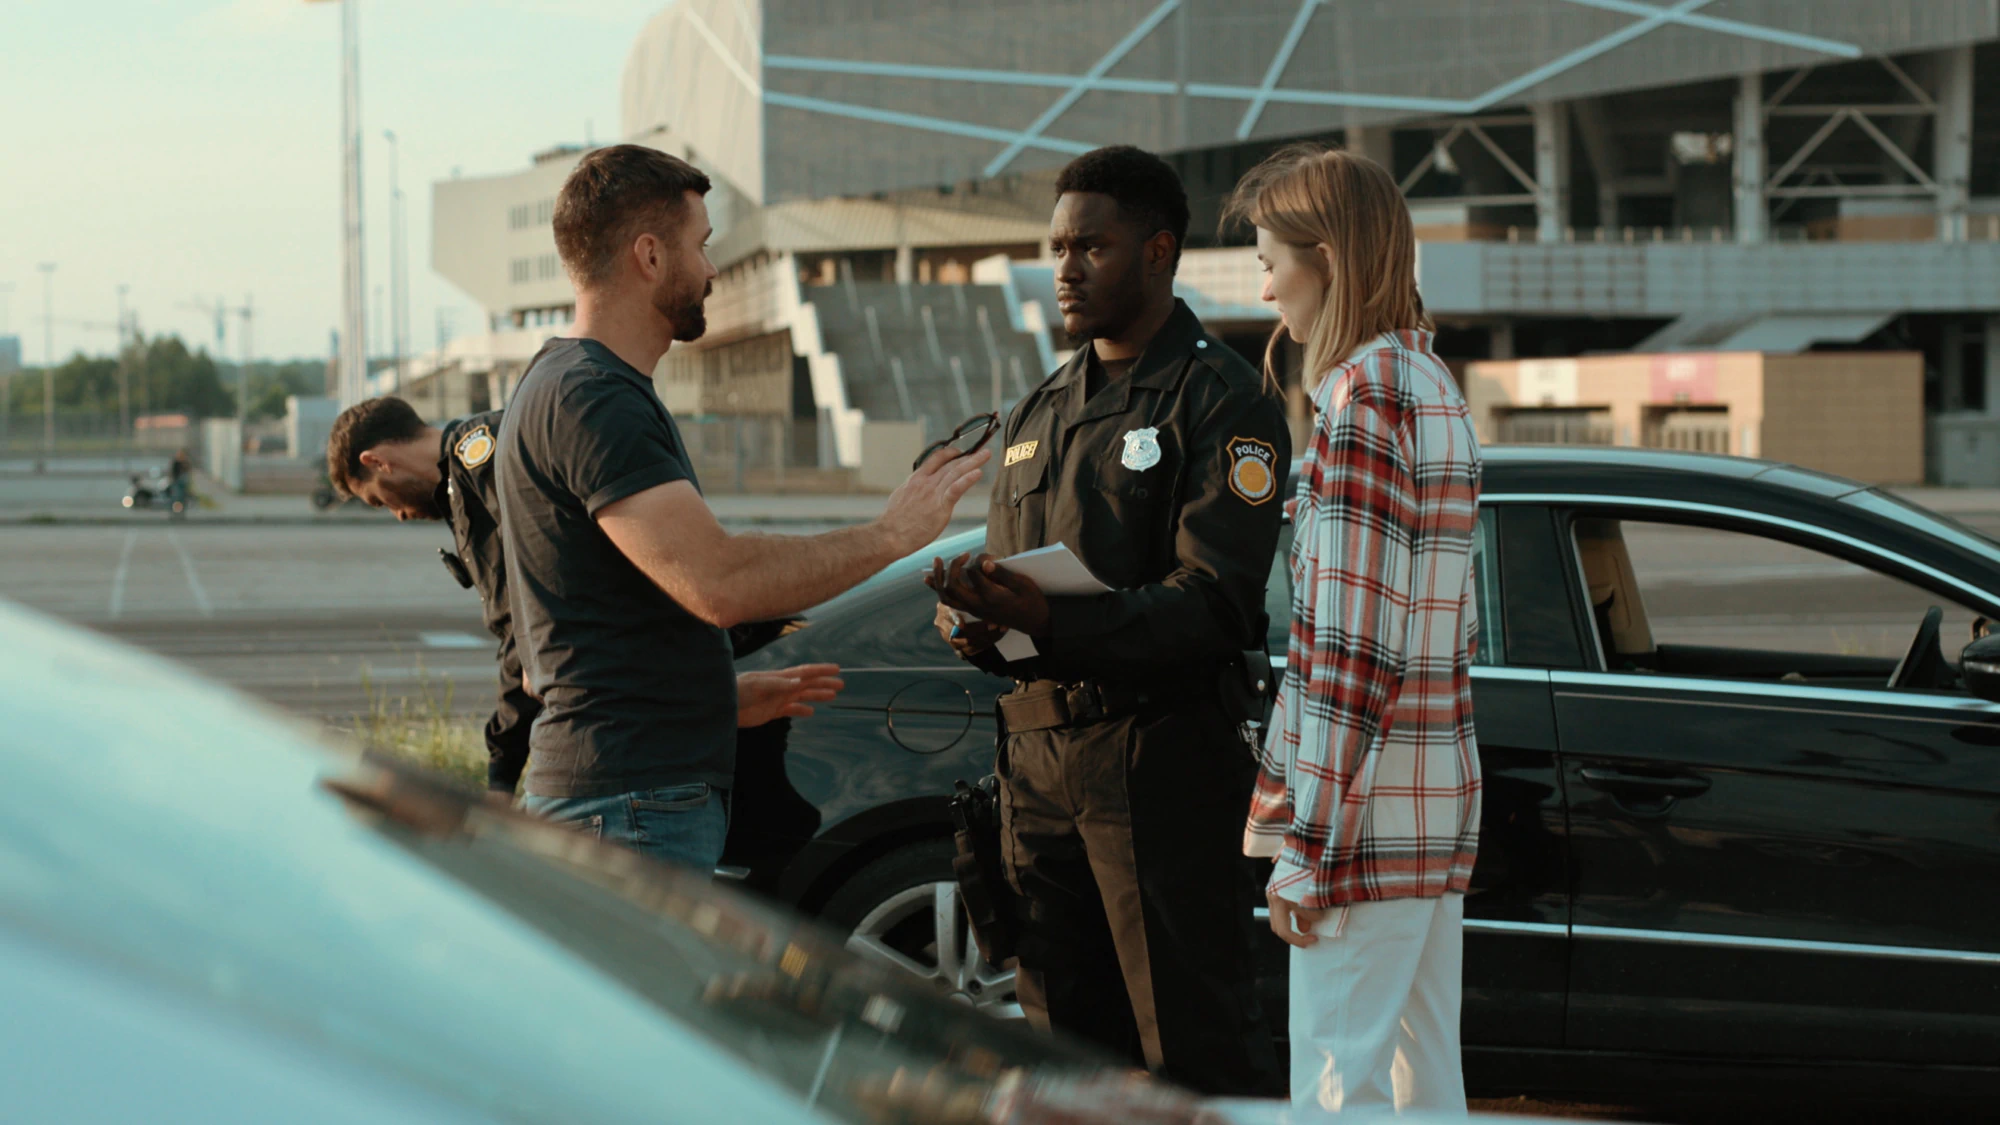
(1123, 837)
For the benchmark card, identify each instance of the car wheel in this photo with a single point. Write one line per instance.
(904, 911)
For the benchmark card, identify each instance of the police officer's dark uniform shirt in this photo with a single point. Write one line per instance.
(1123, 795)
(467, 493)
(1166, 485)
(637, 693)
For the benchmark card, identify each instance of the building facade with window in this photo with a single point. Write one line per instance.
(491, 237)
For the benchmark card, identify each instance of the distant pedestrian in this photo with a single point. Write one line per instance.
(1369, 796)
(180, 474)
(622, 581)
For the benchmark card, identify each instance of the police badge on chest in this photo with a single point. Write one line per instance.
(1142, 449)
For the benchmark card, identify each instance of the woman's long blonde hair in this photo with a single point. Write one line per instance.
(1309, 195)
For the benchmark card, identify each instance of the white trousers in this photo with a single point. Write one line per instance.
(1374, 1010)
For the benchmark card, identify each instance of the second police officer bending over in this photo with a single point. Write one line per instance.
(381, 452)
(1157, 455)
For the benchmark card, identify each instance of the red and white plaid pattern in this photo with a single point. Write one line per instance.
(1370, 783)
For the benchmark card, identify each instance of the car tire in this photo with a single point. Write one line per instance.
(890, 911)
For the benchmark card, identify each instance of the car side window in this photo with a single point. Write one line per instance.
(1684, 599)
(1486, 590)
(1485, 586)
(1278, 595)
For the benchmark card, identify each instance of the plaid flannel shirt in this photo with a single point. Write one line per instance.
(1370, 781)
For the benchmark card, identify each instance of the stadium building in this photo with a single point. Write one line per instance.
(1802, 180)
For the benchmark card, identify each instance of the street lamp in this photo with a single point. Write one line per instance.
(125, 359)
(354, 284)
(6, 377)
(399, 269)
(48, 362)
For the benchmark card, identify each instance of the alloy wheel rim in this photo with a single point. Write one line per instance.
(925, 932)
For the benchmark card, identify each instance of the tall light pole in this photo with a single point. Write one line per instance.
(125, 359)
(399, 271)
(48, 361)
(354, 282)
(249, 313)
(6, 377)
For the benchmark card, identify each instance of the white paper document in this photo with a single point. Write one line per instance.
(1059, 573)
(1056, 570)
(1015, 646)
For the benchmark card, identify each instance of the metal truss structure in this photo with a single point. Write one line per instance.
(1073, 87)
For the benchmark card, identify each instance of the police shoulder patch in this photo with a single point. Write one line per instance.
(1253, 469)
(475, 448)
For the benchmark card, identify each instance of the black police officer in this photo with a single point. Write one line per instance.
(1156, 455)
(381, 452)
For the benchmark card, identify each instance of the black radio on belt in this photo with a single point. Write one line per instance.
(455, 566)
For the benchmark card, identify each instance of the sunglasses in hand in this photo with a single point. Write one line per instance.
(970, 436)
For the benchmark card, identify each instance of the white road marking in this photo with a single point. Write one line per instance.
(452, 640)
(187, 567)
(118, 577)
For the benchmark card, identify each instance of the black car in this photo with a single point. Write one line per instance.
(1740, 813)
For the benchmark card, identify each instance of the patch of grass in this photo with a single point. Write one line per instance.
(422, 729)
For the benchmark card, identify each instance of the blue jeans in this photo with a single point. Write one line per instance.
(680, 824)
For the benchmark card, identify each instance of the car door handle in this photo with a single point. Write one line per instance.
(1638, 784)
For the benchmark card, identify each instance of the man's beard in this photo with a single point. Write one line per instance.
(687, 316)
(419, 498)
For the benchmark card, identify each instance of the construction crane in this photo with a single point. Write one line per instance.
(247, 314)
(48, 382)
(219, 309)
(124, 389)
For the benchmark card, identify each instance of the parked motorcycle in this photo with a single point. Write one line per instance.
(150, 489)
(325, 497)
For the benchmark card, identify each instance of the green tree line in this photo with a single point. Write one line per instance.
(162, 376)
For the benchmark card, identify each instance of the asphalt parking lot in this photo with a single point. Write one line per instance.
(318, 617)
(308, 618)
(319, 613)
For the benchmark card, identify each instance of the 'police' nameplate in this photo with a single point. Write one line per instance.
(1021, 452)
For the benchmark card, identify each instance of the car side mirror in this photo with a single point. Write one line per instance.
(1979, 667)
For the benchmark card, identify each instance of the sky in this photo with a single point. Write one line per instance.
(191, 151)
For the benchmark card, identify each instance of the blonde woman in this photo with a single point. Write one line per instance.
(1369, 795)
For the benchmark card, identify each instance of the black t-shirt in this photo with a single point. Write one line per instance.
(637, 693)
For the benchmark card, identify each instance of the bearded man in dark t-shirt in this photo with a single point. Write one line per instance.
(623, 582)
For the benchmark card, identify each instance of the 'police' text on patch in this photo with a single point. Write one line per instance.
(1253, 469)
(1021, 452)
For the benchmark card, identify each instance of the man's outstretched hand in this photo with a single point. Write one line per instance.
(789, 693)
(921, 508)
(986, 590)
